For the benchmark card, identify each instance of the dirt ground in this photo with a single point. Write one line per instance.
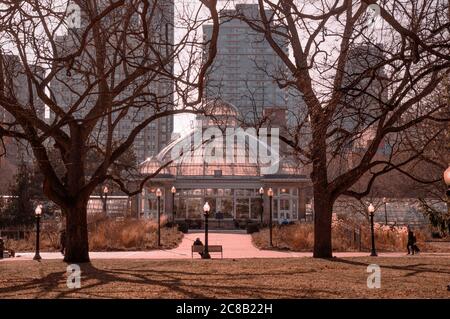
(407, 277)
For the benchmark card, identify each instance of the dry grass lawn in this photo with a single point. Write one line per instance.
(408, 277)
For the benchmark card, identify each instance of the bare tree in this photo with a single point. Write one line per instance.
(363, 80)
(111, 65)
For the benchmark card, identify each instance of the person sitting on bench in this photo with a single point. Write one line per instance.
(4, 249)
(198, 242)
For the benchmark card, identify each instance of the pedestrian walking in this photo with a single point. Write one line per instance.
(62, 241)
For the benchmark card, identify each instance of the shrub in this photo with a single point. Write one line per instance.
(252, 228)
(183, 227)
(132, 234)
(106, 235)
(300, 237)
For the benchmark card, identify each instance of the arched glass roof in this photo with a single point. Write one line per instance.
(217, 150)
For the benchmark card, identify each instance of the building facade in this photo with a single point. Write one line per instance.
(232, 188)
(13, 152)
(245, 63)
(67, 88)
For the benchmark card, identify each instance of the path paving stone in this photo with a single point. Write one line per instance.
(235, 245)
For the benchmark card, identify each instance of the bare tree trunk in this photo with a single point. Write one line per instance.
(77, 245)
(323, 200)
(323, 209)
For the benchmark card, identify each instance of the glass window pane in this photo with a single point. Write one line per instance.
(242, 208)
(226, 207)
(256, 208)
(284, 204)
(195, 208)
(180, 208)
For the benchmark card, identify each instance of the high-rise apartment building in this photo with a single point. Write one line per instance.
(365, 92)
(244, 69)
(17, 87)
(68, 87)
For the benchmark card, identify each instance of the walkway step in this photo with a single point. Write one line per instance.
(218, 231)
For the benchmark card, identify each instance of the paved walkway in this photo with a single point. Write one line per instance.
(235, 245)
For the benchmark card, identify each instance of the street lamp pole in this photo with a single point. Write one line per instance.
(270, 193)
(173, 190)
(206, 209)
(385, 210)
(261, 193)
(371, 210)
(38, 212)
(447, 182)
(158, 195)
(105, 203)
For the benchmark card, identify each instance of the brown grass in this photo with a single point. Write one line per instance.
(300, 237)
(108, 235)
(132, 235)
(408, 277)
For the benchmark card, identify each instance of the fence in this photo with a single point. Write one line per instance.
(116, 206)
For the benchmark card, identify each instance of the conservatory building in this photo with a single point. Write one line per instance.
(221, 164)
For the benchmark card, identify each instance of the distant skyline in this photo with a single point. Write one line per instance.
(182, 122)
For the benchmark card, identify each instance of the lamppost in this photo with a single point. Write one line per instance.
(158, 196)
(105, 202)
(447, 182)
(261, 193)
(173, 190)
(206, 209)
(270, 193)
(385, 210)
(371, 210)
(37, 213)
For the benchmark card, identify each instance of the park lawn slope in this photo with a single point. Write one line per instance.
(407, 277)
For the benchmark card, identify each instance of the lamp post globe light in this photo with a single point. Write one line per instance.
(447, 182)
(158, 196)
(270, 194)
(371, 210)
(206, 210)
(173, 190)
(261, 193)
(37, 213)
(105, 203)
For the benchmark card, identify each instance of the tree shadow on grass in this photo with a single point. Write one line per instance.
(189, 284)
(412, 269)
(44, 284)
(104, 283)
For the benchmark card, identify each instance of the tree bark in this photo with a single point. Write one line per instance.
(323, 198)
(323, 210)
(77, 245)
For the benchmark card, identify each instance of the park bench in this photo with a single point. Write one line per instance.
(211, 249)
(8, 253)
